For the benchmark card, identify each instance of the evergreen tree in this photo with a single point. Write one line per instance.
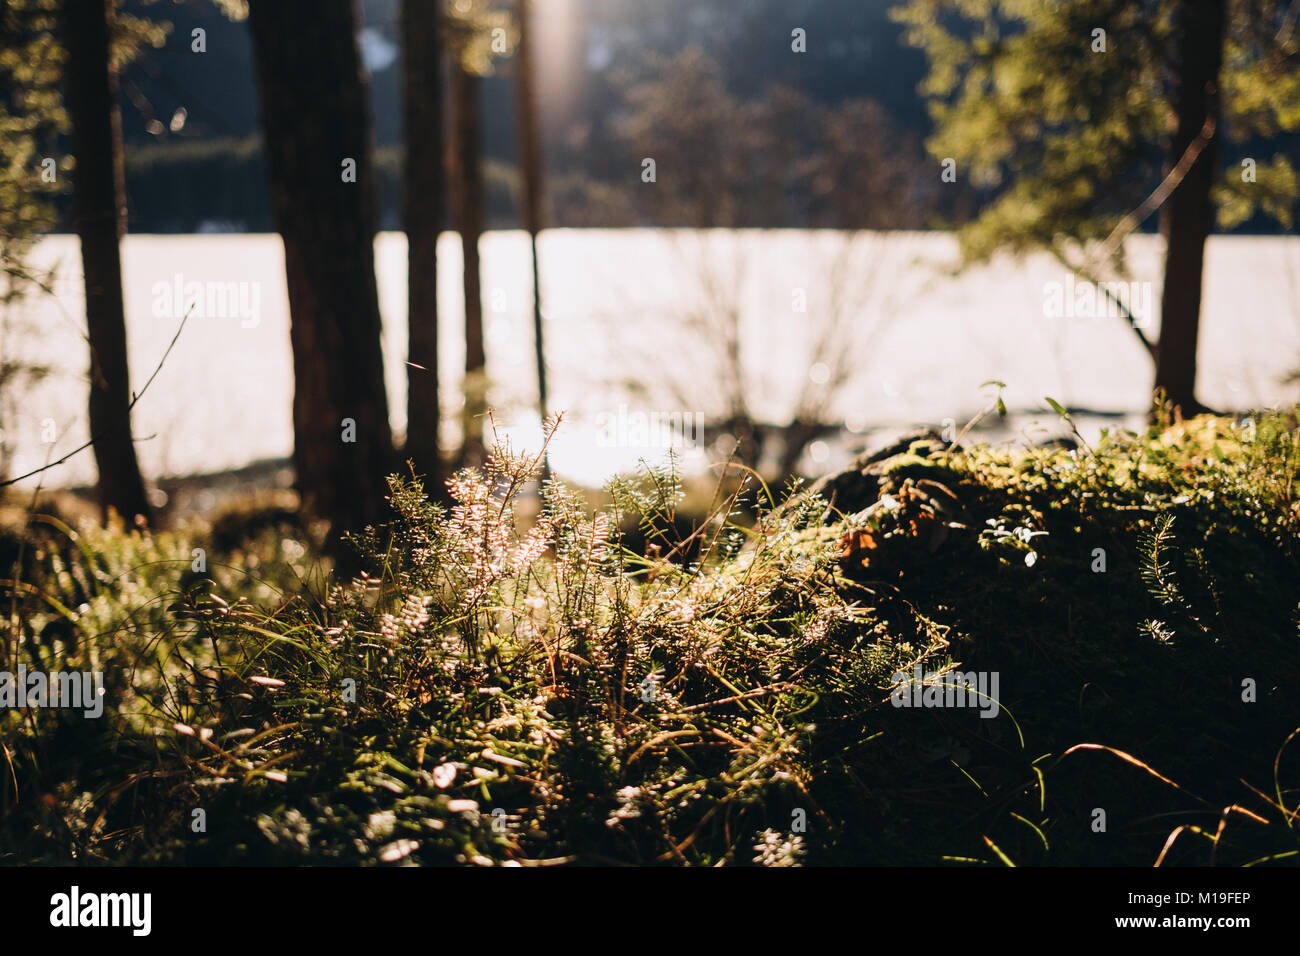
(1081, 119)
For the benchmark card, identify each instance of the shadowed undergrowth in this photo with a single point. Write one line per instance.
(494, 691)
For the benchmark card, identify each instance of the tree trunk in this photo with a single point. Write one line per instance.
(530, 165)
(100, 215)
(424, 203)
(1187, 216)
(315, 120)
(469, 222)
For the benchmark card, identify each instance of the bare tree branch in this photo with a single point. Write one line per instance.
(135, 397)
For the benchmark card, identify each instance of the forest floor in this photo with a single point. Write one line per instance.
(621, 682)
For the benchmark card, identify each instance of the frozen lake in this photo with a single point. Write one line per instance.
(658, 307)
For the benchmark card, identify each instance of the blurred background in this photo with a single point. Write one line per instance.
(779, 230)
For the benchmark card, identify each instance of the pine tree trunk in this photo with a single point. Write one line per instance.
(1187, 216)
(100, 214)
(530, 165)
(469, 222)
(315, 117)
(424, 200)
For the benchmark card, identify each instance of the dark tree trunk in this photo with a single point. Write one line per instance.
(424, 214)
(469, 222)
(530, 165)
(314, 117)
(100, 214)
(1187, 216)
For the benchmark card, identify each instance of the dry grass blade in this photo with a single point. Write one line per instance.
(1130, 759)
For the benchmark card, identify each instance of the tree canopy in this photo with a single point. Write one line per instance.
(1060, 111)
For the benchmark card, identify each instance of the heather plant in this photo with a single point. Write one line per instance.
(510, 681)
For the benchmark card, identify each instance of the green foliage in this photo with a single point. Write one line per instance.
(31, 119)
(509, 682)
(470, 29)
(1070, 140)
(132, 35)
(34, 163)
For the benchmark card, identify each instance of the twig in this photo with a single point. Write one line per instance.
(1160, 193)
(134, 398)
(1125, 227)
